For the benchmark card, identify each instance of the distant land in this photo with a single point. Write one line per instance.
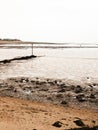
(8, 39)
(46, 44)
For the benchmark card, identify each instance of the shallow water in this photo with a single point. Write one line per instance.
(70, 63)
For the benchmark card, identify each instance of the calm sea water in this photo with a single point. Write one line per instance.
(70, 63)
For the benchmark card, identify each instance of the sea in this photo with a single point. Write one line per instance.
(57, 61)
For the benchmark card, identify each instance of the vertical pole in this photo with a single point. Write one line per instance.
(32, 48)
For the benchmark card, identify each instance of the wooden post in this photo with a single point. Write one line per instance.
(32, 48)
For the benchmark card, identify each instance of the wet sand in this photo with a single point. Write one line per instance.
(48, 104)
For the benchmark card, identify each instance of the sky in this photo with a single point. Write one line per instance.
(68, 21)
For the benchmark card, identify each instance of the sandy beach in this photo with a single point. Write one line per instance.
(18, 114)
(40, 104)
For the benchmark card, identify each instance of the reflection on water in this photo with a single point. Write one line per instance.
(51, 63)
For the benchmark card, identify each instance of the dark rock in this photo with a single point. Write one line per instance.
(57, 124)
(91, 85)
(78, 89)
(51, 82)
(62, 90)
(55, 81)
(11, 87)
(16, 81)
(38, 82)
(43, 89)
(79, 122)
(15, 90)
(62, 85)
(49, 98)
(92, 96)
(59, 96)
(27, 80)
(64, 102)
(17, 58)
(71, 87)
(43, 82)
(94, 84)
(81, 97)
(93, 121)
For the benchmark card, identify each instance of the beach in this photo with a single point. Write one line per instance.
(18, 114)
(42, 104)
(57, 90)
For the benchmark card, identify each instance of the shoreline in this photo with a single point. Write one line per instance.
(55, 91)
(58, 103)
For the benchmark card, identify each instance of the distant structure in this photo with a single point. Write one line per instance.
(8, 39)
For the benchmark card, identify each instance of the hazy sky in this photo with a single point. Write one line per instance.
(49, 20)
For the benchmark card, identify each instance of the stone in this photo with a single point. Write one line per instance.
(79, 122)
(57, 124)
(81, 97)
(78, 89)
(62, 85)
(92, 96)
(64, 102)
(61, 90)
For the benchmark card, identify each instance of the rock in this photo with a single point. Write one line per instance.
(88, 78)
(79, 122)
(59, 96)
(92, 96)
(78, 89)
(57, 124)
(62, 85)
(55, 81)
(27, 80)
(43, 83)
(15, 90)
(23, 81)
(81, 97)
(64, 102)
(93, 121)
(91, 85)
(44, 89)
(49, 98)
(62, 90)
(94, 84)
(70, 87)
(38, 82)
(51, 83)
